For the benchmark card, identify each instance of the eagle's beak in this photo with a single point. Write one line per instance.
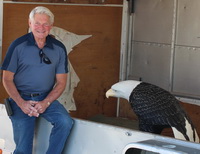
(110, 92)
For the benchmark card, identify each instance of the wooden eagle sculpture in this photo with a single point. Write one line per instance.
(156, 109)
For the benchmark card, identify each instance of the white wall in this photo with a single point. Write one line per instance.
(166, 45)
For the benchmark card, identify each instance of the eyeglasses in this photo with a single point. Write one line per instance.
(44, 58)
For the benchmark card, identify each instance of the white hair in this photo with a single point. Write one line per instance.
(41, 10)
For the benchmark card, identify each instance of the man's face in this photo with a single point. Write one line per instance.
(40, 26)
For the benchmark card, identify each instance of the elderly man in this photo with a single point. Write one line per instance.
(34, 75)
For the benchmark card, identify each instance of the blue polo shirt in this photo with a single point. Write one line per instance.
(32, 75)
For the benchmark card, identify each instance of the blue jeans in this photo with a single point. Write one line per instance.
(23, 126)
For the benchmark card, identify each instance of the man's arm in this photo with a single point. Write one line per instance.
(14, 94)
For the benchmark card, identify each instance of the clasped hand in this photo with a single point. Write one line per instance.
(33, 108)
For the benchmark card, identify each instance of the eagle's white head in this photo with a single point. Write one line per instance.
(122, 89)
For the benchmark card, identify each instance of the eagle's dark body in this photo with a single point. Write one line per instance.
(157, 109)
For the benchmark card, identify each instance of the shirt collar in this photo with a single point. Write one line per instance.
(31, 40)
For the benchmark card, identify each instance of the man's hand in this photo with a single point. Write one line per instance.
(28, 108)
(41, 106)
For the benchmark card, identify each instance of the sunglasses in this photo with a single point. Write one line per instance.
(44, 58)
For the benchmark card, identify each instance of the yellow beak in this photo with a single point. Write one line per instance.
(110, 92)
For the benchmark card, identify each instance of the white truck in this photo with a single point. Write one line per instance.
(89, 137)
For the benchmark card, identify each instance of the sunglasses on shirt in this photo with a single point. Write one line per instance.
(44, 58)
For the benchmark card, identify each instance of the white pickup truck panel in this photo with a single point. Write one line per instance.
(96, 138)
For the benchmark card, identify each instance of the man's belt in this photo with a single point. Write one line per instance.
(31, 94)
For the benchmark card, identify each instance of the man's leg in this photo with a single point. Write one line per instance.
(23, 130)
(62, 124)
